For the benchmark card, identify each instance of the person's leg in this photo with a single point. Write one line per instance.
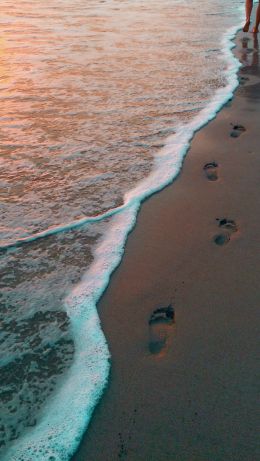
(249, 7)
(257, 20)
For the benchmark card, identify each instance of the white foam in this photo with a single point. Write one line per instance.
(68, 412)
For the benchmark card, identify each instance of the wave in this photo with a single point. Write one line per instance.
(68, 412)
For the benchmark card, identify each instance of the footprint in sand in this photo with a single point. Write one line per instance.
(229, 226)
(160, 325)
(211, 171)
(237, 130)
(243, 80)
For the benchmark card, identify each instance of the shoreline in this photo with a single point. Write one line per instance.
(180, 263)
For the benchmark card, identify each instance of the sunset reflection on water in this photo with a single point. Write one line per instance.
(89, 92)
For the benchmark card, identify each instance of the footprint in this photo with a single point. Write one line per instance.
(243, 80)
(211, 171)
(221, 239)
(229, 226)
(160, 324)
(237, 131)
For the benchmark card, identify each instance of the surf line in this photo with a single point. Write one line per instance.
(63, 228)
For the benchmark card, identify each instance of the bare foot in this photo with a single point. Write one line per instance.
(246, 26)
(255, 30)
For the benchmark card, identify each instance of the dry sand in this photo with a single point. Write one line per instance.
(197, 399)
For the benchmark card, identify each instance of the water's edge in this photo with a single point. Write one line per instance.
(58, 434)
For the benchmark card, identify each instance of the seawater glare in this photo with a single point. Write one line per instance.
(98, 104)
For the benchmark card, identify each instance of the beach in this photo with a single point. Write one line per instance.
(195, 247)
(103, 105)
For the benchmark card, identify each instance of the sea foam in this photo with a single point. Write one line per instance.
(68, 412)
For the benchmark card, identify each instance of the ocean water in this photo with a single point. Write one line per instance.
(99, 101)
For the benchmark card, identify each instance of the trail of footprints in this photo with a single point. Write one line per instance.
(162, 319)
(227, 227)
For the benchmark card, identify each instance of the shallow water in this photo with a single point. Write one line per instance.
(89, 94)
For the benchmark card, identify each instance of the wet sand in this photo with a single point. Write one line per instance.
(193, 396)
